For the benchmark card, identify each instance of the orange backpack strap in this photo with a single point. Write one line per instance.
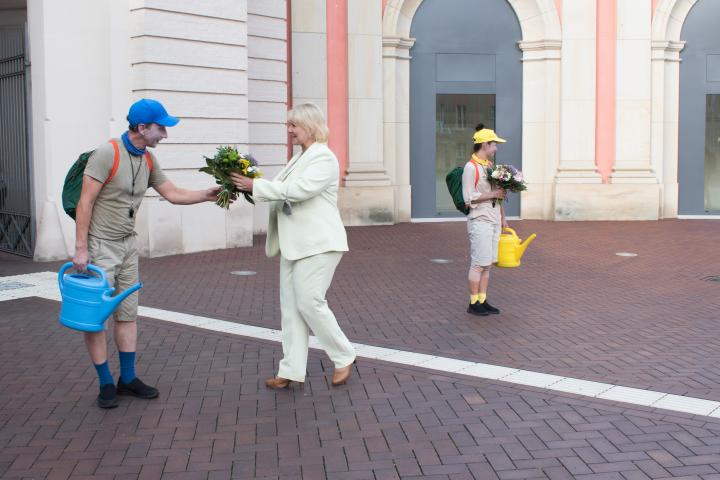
(116, 162)
(148, 158)
(477, 173)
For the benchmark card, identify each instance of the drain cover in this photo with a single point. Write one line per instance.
(712, 278)
(243, 273)
(7, 285)
(626, 254)
(440, 260)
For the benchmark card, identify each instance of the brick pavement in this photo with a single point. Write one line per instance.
(215, 419)
(573, 309)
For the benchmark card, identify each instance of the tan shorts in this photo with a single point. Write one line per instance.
(484, 238)
(119, 259)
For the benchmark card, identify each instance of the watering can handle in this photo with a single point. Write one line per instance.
(511, 231)
(69, 265)
(61, 274)
(97, 270)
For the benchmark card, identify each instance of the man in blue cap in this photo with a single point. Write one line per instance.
(114, 183)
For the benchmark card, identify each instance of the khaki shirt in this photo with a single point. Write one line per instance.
(483, 211)
(110, 216)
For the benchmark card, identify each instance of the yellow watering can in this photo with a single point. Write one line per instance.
(510, 248)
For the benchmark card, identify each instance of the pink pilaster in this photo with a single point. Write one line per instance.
(605, 87)
(337, 80)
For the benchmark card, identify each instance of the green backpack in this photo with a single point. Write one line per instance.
(72, 187)
(453, 180)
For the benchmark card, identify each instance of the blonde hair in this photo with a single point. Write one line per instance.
(310, 117)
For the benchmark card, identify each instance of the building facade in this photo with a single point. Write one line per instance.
(611, 108)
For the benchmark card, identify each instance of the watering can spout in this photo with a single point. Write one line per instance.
(110, 303)
(521, 248)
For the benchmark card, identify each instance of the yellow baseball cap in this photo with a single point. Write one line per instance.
(486, 135)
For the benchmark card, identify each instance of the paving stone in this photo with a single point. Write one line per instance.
(214, 418)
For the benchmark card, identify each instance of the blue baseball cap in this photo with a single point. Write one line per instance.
(147, 111)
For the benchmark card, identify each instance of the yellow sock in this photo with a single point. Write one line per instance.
(481, 297)
(473, 299)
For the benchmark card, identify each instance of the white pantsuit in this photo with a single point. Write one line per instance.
(305, 228)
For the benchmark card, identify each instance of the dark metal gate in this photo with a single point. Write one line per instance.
(16, 225)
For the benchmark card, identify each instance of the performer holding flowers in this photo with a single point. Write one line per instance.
(306, 230)
(485, 219)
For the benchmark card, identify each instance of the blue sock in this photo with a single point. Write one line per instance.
(104, 374)
(127, 366)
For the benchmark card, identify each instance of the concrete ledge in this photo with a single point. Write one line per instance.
(367, 205)
(607, 202)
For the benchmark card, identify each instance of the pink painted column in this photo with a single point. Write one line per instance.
(654, 6)
(337, 80)
(605, 85)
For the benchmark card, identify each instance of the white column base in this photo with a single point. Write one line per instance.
(607, 202)
(670, 199)
(367, 205)
(367, 175)
(536, 203)
(633, 175)
(50, 241)
(403, 203)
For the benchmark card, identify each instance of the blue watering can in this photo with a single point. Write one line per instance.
(86, 299)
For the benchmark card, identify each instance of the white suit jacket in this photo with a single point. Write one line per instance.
(309, 182)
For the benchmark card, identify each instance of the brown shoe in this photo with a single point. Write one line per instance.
(277, 382)
(341, 375)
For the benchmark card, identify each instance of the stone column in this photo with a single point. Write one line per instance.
(368, 194)
(577, 140)
(396, 120)
(665, 121)
(633, 127)
(541, 125)
(309, 52)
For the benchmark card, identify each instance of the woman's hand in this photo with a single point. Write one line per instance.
(242, 182)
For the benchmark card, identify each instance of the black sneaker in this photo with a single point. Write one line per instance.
(136, 388)
(107, 397)
(477, 308)
(490, 309)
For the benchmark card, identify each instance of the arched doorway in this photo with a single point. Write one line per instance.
(465, 69)
(699, 130)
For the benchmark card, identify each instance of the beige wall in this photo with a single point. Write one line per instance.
(267, 87)
(194, 57)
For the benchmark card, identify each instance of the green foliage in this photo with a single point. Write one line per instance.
(228, 160)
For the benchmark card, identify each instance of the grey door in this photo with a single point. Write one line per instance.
(699, 148)
(465, 69)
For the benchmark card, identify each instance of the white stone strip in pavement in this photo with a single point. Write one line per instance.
(44, 285)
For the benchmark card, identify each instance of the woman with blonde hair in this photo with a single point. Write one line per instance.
(306, 230)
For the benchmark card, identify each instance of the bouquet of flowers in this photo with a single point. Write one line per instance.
(506, 177)
(227, 160)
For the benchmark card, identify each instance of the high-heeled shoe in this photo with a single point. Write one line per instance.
(341, 375)
(277, 383)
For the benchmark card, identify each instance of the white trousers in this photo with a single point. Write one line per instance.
(303, 284)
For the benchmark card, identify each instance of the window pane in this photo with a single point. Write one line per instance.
(456, 117)
(712, 153)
